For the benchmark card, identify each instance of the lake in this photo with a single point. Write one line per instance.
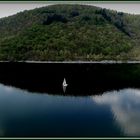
(101, 100)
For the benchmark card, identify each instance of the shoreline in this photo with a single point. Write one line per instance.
(76, 62)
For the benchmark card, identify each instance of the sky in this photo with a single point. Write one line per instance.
(7, 9)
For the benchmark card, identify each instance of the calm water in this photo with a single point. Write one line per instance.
(100, 100)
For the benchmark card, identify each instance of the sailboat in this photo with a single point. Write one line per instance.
(64, 83)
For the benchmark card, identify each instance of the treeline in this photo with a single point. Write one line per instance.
(68, 32)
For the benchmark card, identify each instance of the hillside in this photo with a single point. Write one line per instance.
(70, 32)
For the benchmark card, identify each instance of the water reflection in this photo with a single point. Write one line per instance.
(114, 113)
(64, 88)
(93, 104)
(125, 106)
(26, 114)
(82, 79)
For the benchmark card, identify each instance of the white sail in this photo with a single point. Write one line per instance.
(64, 83)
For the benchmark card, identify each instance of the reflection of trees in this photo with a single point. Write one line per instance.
(83, 79)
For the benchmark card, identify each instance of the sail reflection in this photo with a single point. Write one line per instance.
(64, 88)
(125, 106)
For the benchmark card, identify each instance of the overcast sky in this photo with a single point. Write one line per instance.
(8, 8)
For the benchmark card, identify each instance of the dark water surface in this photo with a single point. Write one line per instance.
(100, 100)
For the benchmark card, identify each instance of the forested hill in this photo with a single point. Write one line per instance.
(70, 32)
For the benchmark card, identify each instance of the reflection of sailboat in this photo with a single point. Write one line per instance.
(64, 89)
(64, 85)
